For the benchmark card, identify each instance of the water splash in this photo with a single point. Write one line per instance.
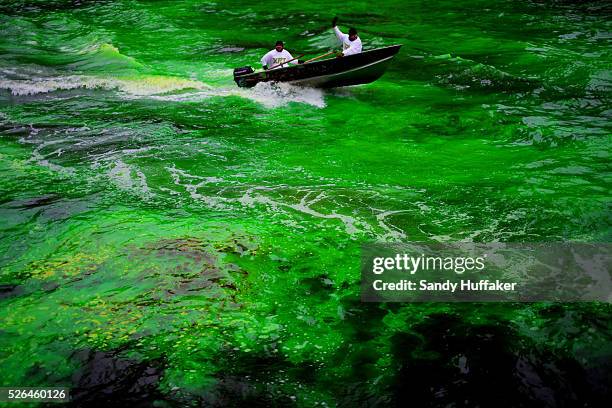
(270, 95)
(280, 94)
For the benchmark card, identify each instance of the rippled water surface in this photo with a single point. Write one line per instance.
(156, 217)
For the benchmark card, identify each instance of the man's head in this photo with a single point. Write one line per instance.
(279, 46)
(352, 34)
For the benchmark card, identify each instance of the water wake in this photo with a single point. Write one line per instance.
(147, 86)
(172, 89)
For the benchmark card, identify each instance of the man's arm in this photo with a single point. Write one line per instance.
(290, 57)
(339, 33)
(348, 51)
(264, 60)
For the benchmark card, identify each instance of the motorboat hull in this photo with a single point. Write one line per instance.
(355, 69)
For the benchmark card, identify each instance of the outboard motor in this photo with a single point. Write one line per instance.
(242, 71)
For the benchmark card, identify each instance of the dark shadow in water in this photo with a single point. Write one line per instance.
(8, 290)
(25, 6)
(105, 379)
(448, 362)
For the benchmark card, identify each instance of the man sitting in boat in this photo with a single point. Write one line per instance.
(351, 43)
(277, 57)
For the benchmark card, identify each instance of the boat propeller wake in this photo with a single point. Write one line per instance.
(171, 89)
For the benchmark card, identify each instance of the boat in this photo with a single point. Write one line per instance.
(355, 69)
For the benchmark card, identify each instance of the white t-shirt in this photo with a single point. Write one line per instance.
(348, 47)
(274, 57)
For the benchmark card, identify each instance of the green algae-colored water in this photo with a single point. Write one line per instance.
(167, 236)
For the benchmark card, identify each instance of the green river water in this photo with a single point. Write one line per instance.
(169, 237)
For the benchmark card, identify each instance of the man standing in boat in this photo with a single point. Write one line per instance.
(277, 57)
(351, 43)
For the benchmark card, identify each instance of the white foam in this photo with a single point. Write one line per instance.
(265, 93)
(352, 225)
(280, 94)
(122, 175)
(146, 86)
